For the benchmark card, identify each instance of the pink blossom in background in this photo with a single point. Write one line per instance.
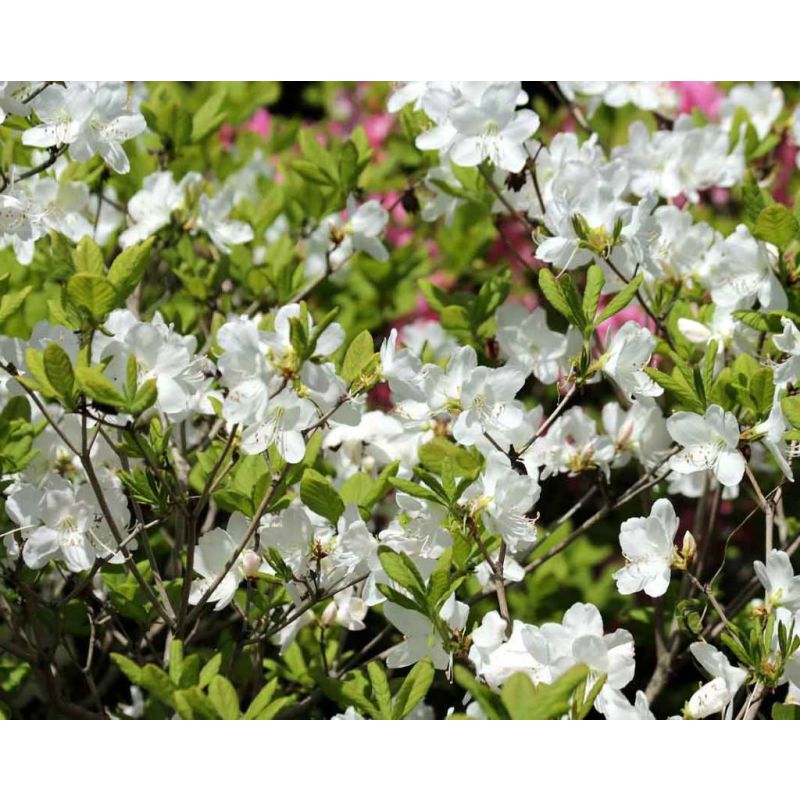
(377, 128)
(260, 123)
(786, 161)
(703, 95)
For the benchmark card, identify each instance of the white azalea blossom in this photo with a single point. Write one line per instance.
(648, 546)
(88, 119)
(624, 359)
(717, 695)
(709, 442)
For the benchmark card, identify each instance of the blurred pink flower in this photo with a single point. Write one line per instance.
(260, 123)
(377, 127)
(703, 95)
(786, 160)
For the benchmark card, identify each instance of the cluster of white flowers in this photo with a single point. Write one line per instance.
(279, 383)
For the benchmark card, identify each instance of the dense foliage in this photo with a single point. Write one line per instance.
(428, 400)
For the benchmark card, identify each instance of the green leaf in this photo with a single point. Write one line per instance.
(317, 492)
(595, 281)
(94, 294)
(129, 267)
(58, 369)
(157, 682)
(348, 167)
(98, 387)
(208, 117)
(415, 490)
(563, 296)
(175, 661)
(88, 257)
(210, 670)
(311, 172)
(191, 703)
(145, 397)
(262, 700)
(380, 689)
(583, 700)
(413, 689)
(12, 302)
(490, 703)
(677, 385)
(785, 711)
(553, 292)
(130, 669)
(791, 410)
(621, 299)
(777, 224)
(358, 355)
(223, 697)
(526, 701)
(402, 570)
(752, 199)
(438, 451)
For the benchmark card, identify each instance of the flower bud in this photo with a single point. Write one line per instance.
(689, 549)
(329, 614)
(251, 562)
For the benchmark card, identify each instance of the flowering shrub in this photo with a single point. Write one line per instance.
(432, 400)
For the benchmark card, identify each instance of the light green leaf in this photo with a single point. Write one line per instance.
(317, 492)
(223, 697)
(413, 689)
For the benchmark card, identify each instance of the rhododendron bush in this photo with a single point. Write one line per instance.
(427, 400)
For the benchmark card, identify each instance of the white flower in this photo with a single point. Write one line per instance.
(684, 160)
(612, 704)
(11, 98)
(423, 535)
(788, 342)
(21, 223)
(504, 498)
(709, 442)
(89, 120)
(724, 329)
(364, 226)
(487, 404)
(762, 102)
(743, 274)
(640, 431)
(283, 422)
(648, 546)
(529, 345)
(346, 609)
(623, 361)
(214, 550)
(781, 585)
(402, 368)
(492, 129)
(162, 355)
(715, 696)
(647, 95)
(579, 639)
(152, 206)
(571, 445)
(246, 370)
(350, 715)
(213, 219)
(63, 522)
(427, 338)
(421, 638)
(441, 203)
